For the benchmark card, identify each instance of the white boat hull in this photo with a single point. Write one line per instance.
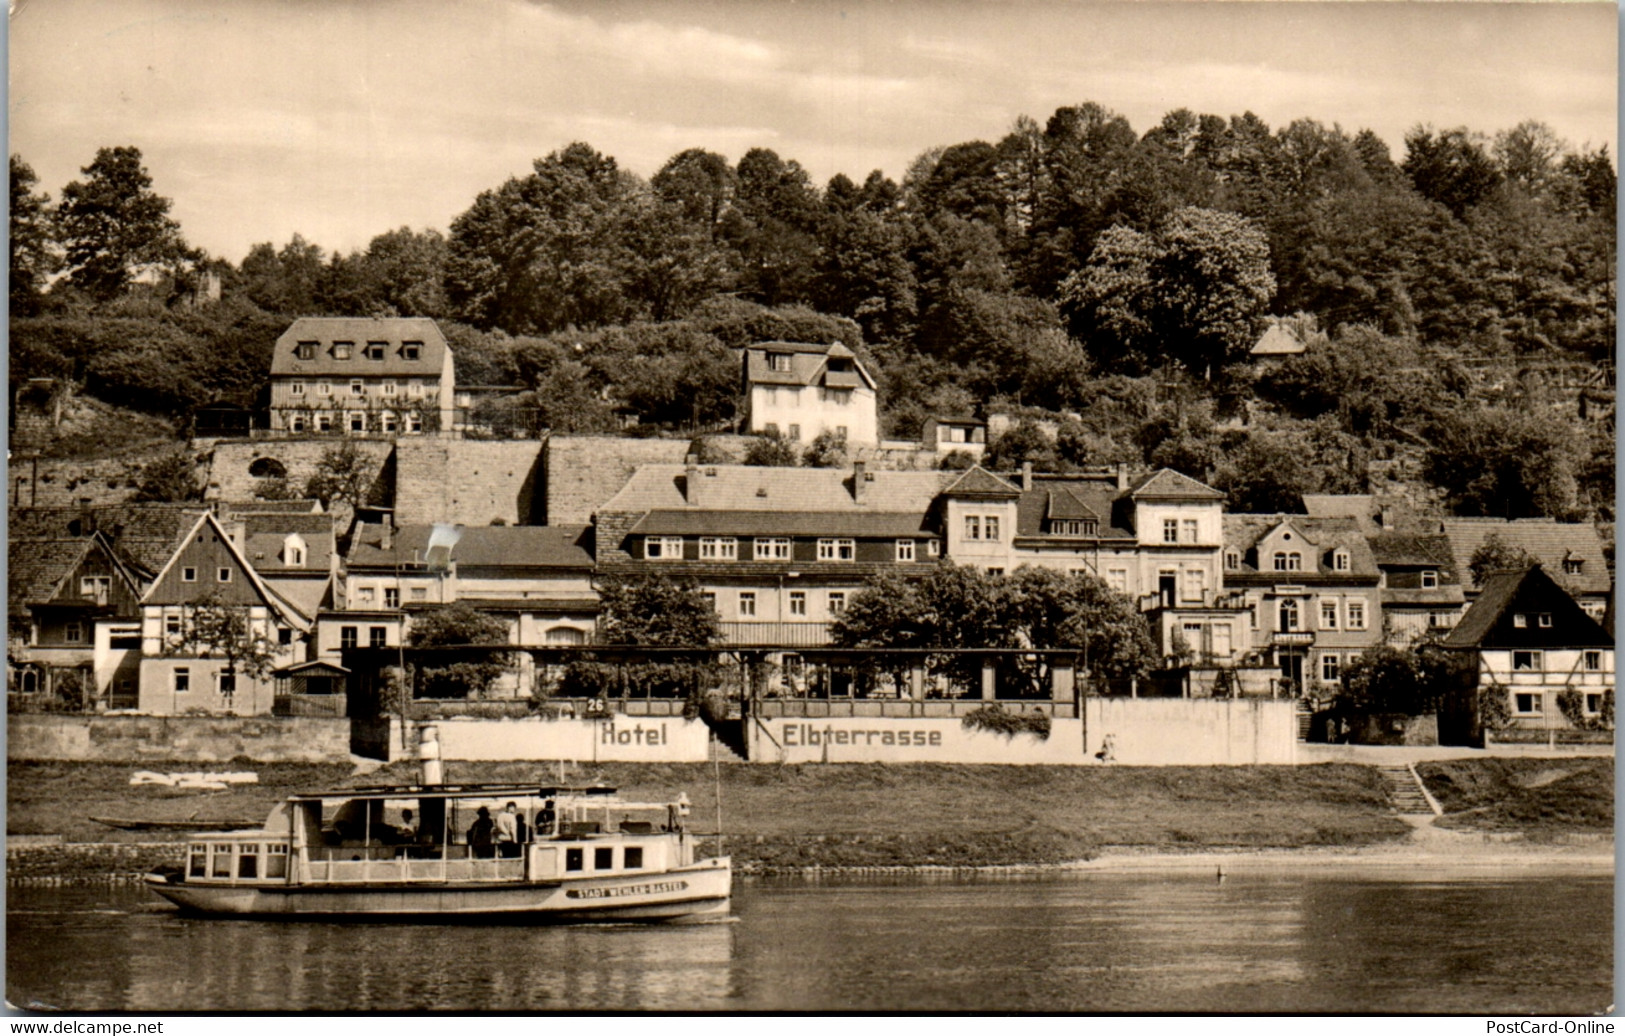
(693, 893)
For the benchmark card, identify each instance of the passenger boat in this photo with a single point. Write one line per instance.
(434, 851)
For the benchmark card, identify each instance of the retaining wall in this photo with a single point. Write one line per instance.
(620, 739)
(203, 739)
(1192, 731)
(582, 472)
(886, 740)
(468, 481)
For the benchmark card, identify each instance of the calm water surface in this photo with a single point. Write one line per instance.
(1099, 943)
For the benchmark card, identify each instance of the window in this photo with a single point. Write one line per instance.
(188, 575)
(933, 548)
(747, 604)
(197, 865)
(1289, 615)
(1520, 620)
(1232, 559)
(293, 552)
(771, 430)
(392, 597)
(183, 679)
(905, 550)
(837, 602)
(297, 424)
(324, 388)
(96, 588)
(297, 388)
(1195, 584)
(1593, 704)
(284, 636)
(375, 350)
(324, 422)
(973, 527)
(1430, 580)
(1527, 704)
(225, 681)
(1170, 530)
(248, 862)
(995, 571)
(389, 388)
(1544, 620)
(710, 599)
(357, 388)
(836, 550)
(573, 859)
(719, 548)
(1278, 561)
(341, 350)
(1117, 579)
(347, 636)
(603, 858)
(74, 632)
(377, 637)
(172, 626)
(1187, 530)
(223, 575)
(1328, 615)
(276, 861)
(990, 527)
(1572, 566)
(221, 861)
(386, 421)
(1356, 611)
(1526, 661)
(420, 593)
(778, 362)
(365, 595)
(414, 422)
(798, 602)
(414, 389)
(772, 548)
(634, 857)
(663, 548)
(1340, 561)
(305, 350)
(1329, 668)
(411, 350)
(1593, 660)
(358, 421)
(1294, 561)
(794, 434)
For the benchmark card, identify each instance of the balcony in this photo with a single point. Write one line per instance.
(777, 634)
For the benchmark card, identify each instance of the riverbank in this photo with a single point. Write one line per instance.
(873, 818)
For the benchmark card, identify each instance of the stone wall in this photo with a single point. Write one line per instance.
(70, 482)
(468, 481)
(203, 739)
(228, 472)
(582, 472)
(625, 739)
(1191, 731)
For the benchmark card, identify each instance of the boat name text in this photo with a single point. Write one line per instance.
(651, 889)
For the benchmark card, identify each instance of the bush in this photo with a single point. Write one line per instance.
(995, 719)
(1494, 710)
(1572, 702)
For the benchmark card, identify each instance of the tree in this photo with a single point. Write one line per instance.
(213, 627)
(1449, 167)
(1266, 473)
(651, 609)
(1496, 555)
(1496, 462)
(827, 450)
(172, 477)
(454, 674)
(1385, 679)
(1078, 610)
(112, 223)
(343, 475)
(771, 450)
(33, 257)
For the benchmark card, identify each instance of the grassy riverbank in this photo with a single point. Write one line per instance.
(792, 817)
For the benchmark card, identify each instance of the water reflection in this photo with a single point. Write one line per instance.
(1096, 943)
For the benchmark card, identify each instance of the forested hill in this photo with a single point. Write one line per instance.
(1081, 265)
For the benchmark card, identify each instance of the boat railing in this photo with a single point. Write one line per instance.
(367, 870)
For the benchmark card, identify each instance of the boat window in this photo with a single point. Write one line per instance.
(572, 859)
(603, 859)
(276, 861)
(248, 862)
(222, 861)
(634, 857)
(198, 866)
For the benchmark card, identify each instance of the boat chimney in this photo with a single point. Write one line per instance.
(429, 756)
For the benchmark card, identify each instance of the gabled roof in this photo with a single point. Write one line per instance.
(1397, 549)
(809, 365)
(278, 603)
(145, 534)
(519, 547)
(1069, 498)
(1488, 623)
(243, 508)
(1550, 541)
(978, 482)
(739, 487)
(358, 331)
(1169, 484)
(1323, 536)
(1278, 341)
(746, 524)
(34, 567)
(101, 544)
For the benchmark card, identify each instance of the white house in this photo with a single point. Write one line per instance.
(798, 391)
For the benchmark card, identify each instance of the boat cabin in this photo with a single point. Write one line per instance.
(447, 834)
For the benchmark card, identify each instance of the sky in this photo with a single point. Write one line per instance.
(342, 119)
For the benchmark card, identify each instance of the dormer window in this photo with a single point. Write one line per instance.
(293, 551)
(778, 362)
(1232, 559)
(1430, 580)
(411, 350)
(1340, 560)
(305, 350)
(1573, 566)
(342, 350)
(1287, 561)
(375, 350)
(1074, 527)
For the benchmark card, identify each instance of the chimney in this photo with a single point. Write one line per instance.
(691, 477)
(387, 532)
(1122, 476)
(1386, 517)
(860, 479)
(87, 516)
(1026, 474)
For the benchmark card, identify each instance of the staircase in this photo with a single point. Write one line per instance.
(721, 752)
(1406, 792)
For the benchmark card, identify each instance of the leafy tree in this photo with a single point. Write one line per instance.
(1449, 167)
(827, 450)
(172, 477)
(112, 223)
(344, 474)
(452, 674)
(770, 451)
(1024, 443)
(406, 272)
(568, 402)
(654, 610)
(1385, 679)
(1055, 610)
(1496, 555)
(1496, 462)
(293, 280)
(212, 627)
(1266, 473)
(33, 257)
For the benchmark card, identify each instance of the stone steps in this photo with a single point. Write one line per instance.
(1405, 791)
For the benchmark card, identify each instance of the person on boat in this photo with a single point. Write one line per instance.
(544, 819)
(480, 834)
(407, 832)
(507, 830)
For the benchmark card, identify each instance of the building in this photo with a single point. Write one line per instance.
(948, 435)
(1534, 642)
(208, 584)
(779, 550)
(1572, 554)
(800, 391)
(362, 376)
(1313, 590)
(1421, 588)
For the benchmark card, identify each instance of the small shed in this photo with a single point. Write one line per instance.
(310, 689)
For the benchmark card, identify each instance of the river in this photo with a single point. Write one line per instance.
(1085, 943)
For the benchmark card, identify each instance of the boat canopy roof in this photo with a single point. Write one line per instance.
(452, 791)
